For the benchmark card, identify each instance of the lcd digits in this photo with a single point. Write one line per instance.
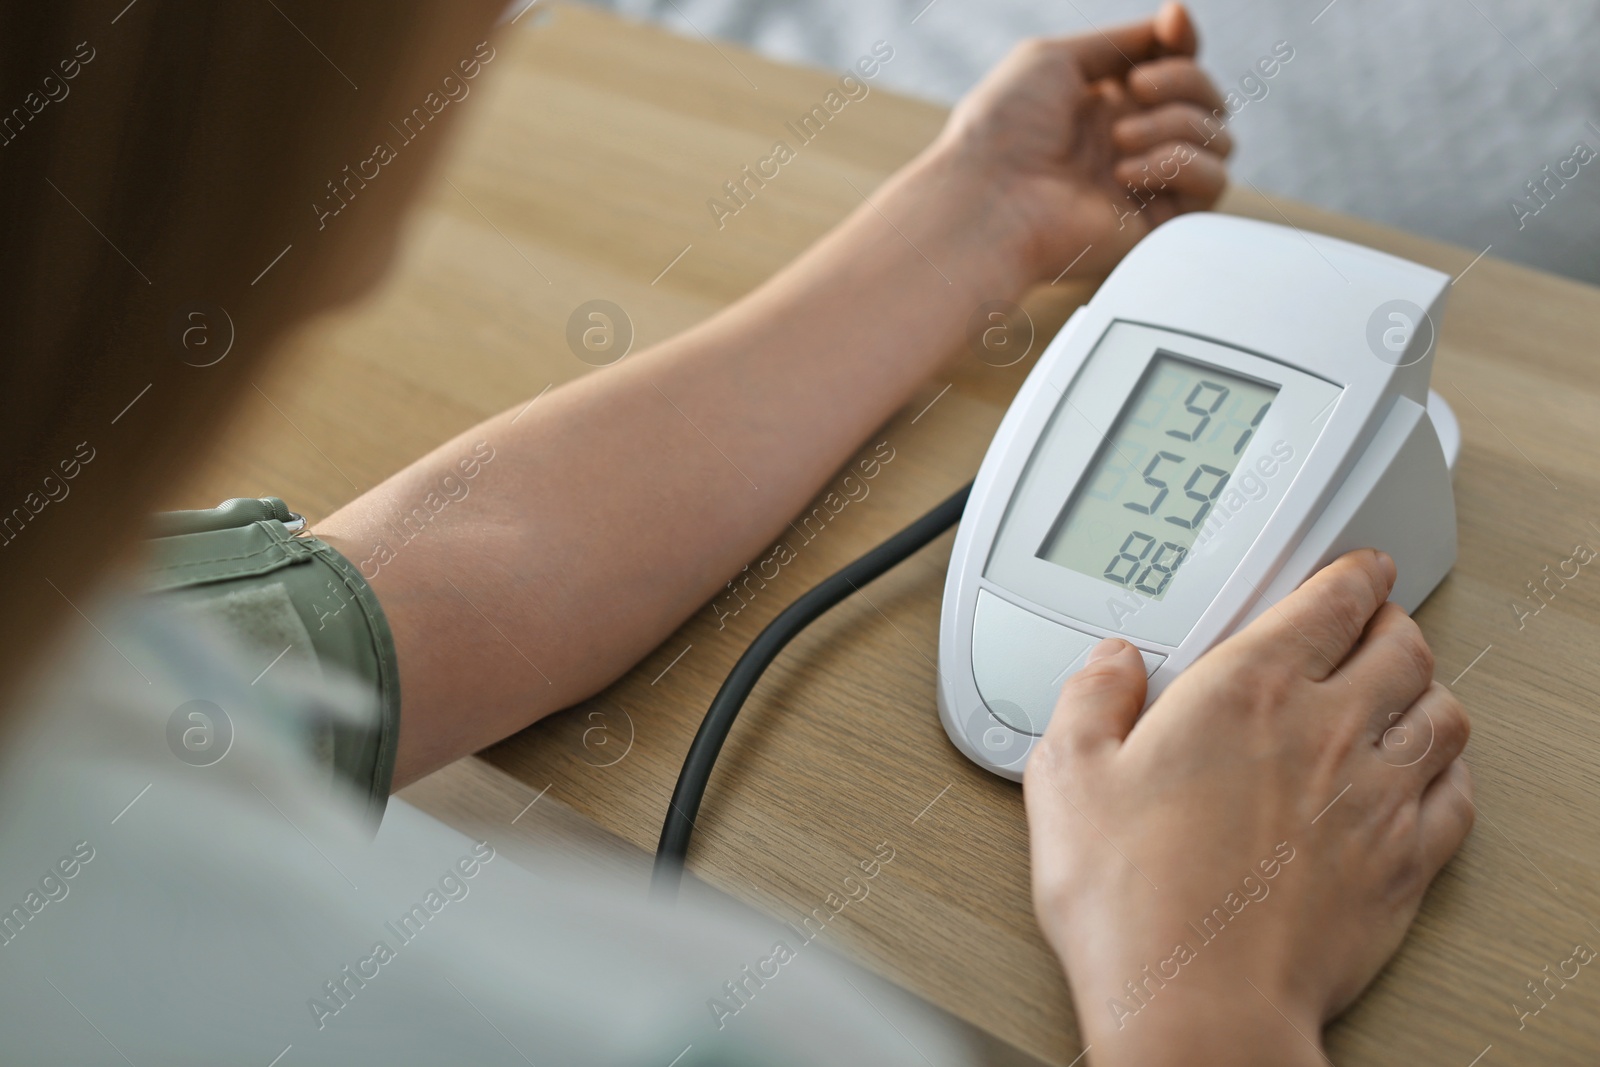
(1150, 490)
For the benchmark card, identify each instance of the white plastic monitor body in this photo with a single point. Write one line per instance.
(1347, 454)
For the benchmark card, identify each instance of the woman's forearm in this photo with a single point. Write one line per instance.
(598, 518)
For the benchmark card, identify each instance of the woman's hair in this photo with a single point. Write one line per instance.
(167, 172)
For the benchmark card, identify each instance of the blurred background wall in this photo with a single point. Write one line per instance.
(1430, 115)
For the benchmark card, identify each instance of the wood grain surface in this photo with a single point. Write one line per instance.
(583, 172)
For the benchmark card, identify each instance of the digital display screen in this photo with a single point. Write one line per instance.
(1137, 510)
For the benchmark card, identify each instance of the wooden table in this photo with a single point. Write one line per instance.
(584, 172)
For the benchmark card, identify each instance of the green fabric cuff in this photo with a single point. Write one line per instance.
(249, 569)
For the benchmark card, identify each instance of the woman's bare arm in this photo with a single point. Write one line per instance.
(615, 505)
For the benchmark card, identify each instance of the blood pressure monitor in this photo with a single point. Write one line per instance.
(1238, 405)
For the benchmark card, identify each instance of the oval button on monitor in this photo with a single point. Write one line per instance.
(1014, 716)
(1019, 661)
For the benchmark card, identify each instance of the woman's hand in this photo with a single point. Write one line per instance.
(1085, 143)
(1227, 875)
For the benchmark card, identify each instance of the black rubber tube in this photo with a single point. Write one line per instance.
(673, 851)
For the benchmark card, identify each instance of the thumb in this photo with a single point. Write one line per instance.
(1175, 30)
(1100, 702)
